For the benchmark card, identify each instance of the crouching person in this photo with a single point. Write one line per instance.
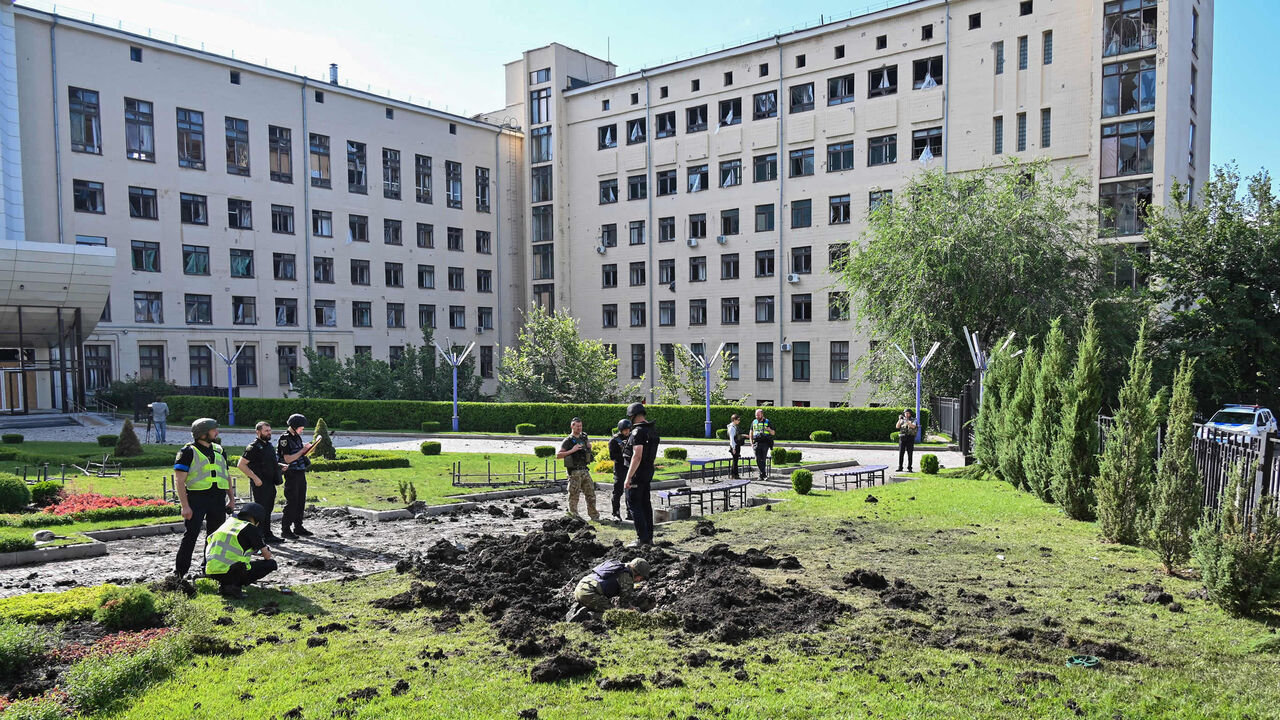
(609, 579)
(230, 549)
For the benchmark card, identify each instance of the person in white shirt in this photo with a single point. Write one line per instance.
(735, 444)
(160, 416)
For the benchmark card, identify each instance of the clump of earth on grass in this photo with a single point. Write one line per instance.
(523, 585)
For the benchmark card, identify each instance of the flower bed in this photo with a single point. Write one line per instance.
(83, 502)
(126, 641)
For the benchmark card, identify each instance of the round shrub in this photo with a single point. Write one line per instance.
(526, 429)
(802, 481)
(603, 466)
(821, 436)
(45, 493)
(722, 434)
(108, 440)
(675, 453)
(126, 608)
(430, 426)
(348, 424)
(544, 451)
(430, 447)
(12, 438)
(779, 456)
(794, 456)
(893, 436)
(929, 464)
(14, 494)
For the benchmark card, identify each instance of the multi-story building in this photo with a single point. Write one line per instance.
(699, 202)
(253, 207)
(705, 201)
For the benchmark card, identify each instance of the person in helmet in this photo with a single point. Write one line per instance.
(292, 451)
(228, 555)
(620, 454)
(203, 487)
(644, 442)
(608, 580)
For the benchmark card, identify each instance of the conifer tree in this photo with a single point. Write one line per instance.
(1015, 424)
(1046, 414)
(127, 444)
(1175, 499)
(323, 443)
(1074, 459)
(1127, 465)
(987, 424)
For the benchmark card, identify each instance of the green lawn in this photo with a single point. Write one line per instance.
(74, 530)
(942, 534)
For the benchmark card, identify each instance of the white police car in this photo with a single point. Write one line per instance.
(1251, 420)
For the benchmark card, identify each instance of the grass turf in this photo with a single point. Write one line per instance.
(943, 534)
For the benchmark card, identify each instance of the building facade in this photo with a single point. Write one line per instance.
(702, 202)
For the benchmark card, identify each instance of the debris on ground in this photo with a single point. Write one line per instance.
(561, 667)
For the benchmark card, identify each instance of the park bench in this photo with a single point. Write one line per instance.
(723, 492)
(857, 475)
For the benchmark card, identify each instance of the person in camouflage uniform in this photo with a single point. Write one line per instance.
(576, 453)
(608, 580)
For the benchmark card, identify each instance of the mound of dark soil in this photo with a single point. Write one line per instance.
(626, 682)
(173, 583)
(903, 596)
(868, 579)
(563, 666)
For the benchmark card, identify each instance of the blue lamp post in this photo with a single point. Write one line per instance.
(229, 360)
(455, 359)
(917, 364)
(705, 363)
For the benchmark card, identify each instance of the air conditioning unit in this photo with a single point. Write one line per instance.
(722, 239)
(793, 278)
(786, 347)
(601, 249)
(693, 242)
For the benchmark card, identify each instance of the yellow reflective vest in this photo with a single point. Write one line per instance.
(223, 550)
(206, 473)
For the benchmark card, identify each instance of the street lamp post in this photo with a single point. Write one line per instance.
(455, 359)
(705, 363)
(981, 358)
(917, 364)
(230, 360)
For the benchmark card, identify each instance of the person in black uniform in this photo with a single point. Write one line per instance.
(292, 451)
(258, 463)
(644, 442)
(620, 454)
(203, 486)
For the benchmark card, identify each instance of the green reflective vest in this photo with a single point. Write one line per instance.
(206, 473)
(222, 549)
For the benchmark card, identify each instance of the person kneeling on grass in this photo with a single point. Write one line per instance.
(229, 552)
(608, 580)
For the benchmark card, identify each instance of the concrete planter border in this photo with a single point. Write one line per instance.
(93, 548)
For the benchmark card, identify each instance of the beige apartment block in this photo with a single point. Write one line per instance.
(253, 207)
(703, 201)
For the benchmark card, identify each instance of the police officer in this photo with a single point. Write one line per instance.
(258, 463)
(204, 490)
(228, 555)
(609, 579)
(762, 433)
(620, 454)
(292, 451)
(644, 450)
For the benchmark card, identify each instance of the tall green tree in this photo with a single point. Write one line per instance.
(1074, 459)
(419, 374)
(997, 250)
(682, 380)
(1128, 461)
(1014, 430)
(1046, 413)
(1002, 374)
(1216, 265)
(1175, 499)
(552, 362)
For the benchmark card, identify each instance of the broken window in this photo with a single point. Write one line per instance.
(1128, 26)
(422, 178)
(666, 124)
(607, 137)
(696, 119)
(801, 97)
(1128, 148)
(635, 131)
(453, 184)
(139, 130)
(357, 168)
(237, 146)
(281, 157)
(730, 173)
(926, 144)
(320, 175)
(86, 125)
(1129, 87)
(608, 191)
(697, 178)
(927, 73)
(882, 81)
(190, 139)
(764, 105)
(730, 112)
(840, 89)
(390, 174)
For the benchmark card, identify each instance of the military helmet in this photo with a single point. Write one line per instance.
(253, 511)
(635, 409)
(624, 424)
(640, 567)
(202, 426)
(297, 420)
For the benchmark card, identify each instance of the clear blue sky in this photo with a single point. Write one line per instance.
(451, 53)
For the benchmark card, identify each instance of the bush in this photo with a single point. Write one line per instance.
(894, 436)
(14, 494)
(821, 436)
(600, 449)
(16, 544)
(430, 447)
(779, 456)
(42, 707)
(794, 456)
(526, 429)
(128, 608)
(323, 443)
(358, 460)
(108, 440)
(802, 481)
(722, 434)
(45, 519)
(96, 684)
(1239, 554)
(75, 604)
(12, 438)
(603, 466)
(19, 645)
(858, 424)
(675, 453)
(430, 426)
(929, 464)
(544, 451)
(348, 424)
(127, 444)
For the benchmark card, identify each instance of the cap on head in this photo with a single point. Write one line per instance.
(253, 511)
(635, 409)
(297, 420)
(640, 567)
(202, 426)
(624, 424)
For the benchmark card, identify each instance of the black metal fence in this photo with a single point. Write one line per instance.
(946, 413)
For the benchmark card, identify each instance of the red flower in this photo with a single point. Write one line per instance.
(79, 502)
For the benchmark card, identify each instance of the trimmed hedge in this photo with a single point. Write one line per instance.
(675, 453)
(45, 493)
(779, 455)
(153, 457)
(126, 608)
(795, 456)
(544, 451)
(14, 494)
(349, 425)
(521, 428)
(16, 544)
(108, 440)
(791, 423)
(802, 481)
(362, 460)
(722, 434)
(821, 436)
(430, 447)
(430, 426)
(929, 464)
(12, 438)
(134, 512)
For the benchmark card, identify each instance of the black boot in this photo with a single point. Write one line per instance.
(287, 534)
(302, 531)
